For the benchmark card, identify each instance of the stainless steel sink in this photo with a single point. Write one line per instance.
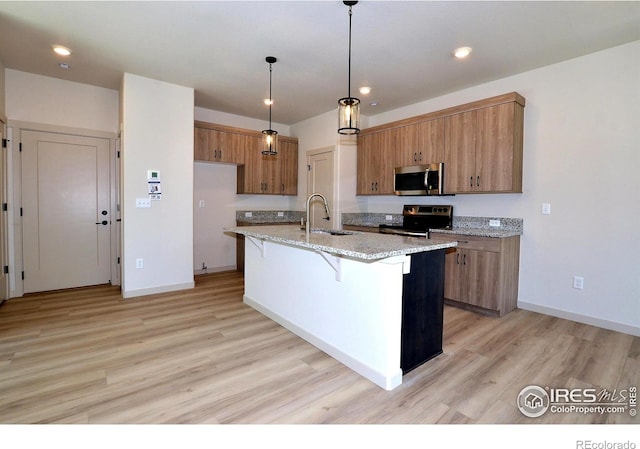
(331, 231)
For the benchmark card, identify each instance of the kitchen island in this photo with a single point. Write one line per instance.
(373, 302)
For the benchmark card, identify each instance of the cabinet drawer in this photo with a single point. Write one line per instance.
(470, 241)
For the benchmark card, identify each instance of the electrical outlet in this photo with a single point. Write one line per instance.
(248, 214)
(546, 208)
(388, 217)
(494, 223)
(280, 214)
(140, 263)
(201, 203)
(578, 282)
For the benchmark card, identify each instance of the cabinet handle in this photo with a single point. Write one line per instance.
(420, 157)
(458, 259)
(478, 181)
(471, 181)
(415, 157)
(464, 259)
(376, 186)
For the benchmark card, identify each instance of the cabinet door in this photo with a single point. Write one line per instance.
(375, 163)
(459, 152)
(452, 274)
(201, 144)
(495, 148)
(288, 153)
(250, 173)
(228, 147)
(480, 271)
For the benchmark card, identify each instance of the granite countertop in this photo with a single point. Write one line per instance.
(359, 245)
(472, 226)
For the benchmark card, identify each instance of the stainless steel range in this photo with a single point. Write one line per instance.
(418, 219)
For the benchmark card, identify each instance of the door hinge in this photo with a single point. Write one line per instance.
(20, 147)
(6, 269)
(308, 167)
(118, 261)
(5, 207)
(118, 154)
(21, 212)
(4, 143)
(23, 275)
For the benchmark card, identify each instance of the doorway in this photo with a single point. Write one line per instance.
(66, 210)
(320, 179)
(4, 264)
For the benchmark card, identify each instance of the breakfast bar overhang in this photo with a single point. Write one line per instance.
(344, 292)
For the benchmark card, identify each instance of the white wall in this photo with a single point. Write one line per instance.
(215, 185)
(41, 99)
(581, 139)
(2, 90)
(157, 134)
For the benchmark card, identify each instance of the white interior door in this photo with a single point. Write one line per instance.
(66, 211)
(320, 179)
(4, 277)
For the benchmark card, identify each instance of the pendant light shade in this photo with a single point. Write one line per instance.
(349, 107)
(269, 136)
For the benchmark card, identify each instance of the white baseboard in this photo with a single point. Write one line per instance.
(155, 290)
(386, 382)
(214, 270)
(585, 319)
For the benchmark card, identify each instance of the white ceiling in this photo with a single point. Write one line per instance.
(402, 49)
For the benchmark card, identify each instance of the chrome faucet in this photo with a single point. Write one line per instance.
(326, 208)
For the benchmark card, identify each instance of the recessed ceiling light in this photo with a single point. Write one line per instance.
(364, 90)
(62, 51)
(462, 52)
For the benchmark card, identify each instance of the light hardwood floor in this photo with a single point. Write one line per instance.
(202, 356)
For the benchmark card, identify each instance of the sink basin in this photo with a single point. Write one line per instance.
(331, 231)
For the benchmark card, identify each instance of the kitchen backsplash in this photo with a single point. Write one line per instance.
(268, 216)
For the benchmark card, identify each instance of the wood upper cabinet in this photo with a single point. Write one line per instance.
(420, 143)
(274, 174)
(483, 150)
(480, 144)
(257, 173)
(213, 145)
(375, 163)
(288, 152)
(482, 272)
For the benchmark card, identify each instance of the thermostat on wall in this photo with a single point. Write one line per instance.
(153, 175)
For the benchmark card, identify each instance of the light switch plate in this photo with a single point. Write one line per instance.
(546, 208)
(143, 202)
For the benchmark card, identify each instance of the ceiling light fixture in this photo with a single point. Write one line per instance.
(462, 52)
(62, 51)
(269, 136)
(349, 107)
(365, 90)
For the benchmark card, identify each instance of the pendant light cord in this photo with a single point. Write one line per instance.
(349, 83)
(270, 98)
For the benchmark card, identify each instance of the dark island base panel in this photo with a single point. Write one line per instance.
(422, 310)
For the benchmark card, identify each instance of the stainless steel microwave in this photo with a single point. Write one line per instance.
(419, 179)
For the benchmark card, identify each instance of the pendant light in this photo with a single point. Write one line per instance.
(269, 136)
(349, 107)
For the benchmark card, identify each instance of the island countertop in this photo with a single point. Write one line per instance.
(359, 245)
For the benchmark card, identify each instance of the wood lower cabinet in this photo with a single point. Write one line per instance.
(482, 272)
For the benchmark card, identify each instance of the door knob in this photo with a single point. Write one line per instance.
(103, 222)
